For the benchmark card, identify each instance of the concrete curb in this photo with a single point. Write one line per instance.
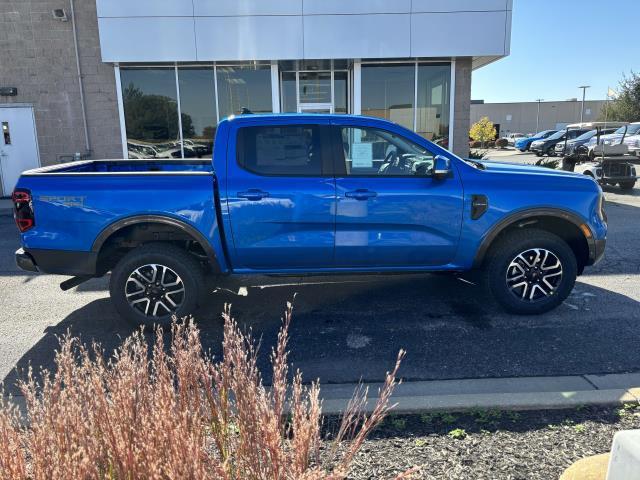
(522, 393)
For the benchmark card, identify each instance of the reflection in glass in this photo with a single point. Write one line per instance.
(288, 92)
(151, 112)
(246, 86)
(315, 87)
(434, 83)
(198, 111)
(388, 92)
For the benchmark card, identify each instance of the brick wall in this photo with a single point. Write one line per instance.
(37, 56)
(462, 108)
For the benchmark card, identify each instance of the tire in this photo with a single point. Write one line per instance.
(628, 185)
(538, 153)
(156, 297)
(511, 248)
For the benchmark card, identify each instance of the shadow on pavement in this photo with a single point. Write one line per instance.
(348, 329)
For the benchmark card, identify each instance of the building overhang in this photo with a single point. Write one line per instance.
(238, 30)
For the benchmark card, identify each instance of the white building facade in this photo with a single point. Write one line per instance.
(182, 65)
(152, 78)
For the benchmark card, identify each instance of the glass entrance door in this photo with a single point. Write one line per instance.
(315, 108)
(314, 91)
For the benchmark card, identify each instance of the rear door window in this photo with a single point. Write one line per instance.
(290, 150)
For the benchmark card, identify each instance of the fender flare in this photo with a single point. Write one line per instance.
(161, 219)
(521, 217)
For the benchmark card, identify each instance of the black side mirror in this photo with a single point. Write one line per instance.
(441, 167)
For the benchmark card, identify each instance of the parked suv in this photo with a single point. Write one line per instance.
(307, 194)
(547, 146)
(569, 149)
(524, 144)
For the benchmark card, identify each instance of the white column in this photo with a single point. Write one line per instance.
(123, 127)
(452, 102)
(275, 87)
(357, 87)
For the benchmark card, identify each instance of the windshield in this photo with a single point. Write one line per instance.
(631, 129)
(544, 133)
(557, 135)
(586, 136)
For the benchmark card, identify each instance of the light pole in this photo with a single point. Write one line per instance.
(538, 115)
(584, 93)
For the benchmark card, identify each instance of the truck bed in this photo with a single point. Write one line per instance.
(127, 167)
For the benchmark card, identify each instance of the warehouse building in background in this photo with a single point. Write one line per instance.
(152, 78)
(531, 117)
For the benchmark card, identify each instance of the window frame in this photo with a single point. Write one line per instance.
(339, 164)
(326, 143)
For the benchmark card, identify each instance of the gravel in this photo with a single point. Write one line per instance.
(498, 445)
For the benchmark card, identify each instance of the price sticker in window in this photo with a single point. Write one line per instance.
(362, 155)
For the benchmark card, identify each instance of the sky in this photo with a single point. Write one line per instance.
(558, 45)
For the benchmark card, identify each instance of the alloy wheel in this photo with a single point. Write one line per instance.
(155, 290)
(534, 275)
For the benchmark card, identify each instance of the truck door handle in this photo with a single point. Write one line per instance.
(253, 195)
(361, 194)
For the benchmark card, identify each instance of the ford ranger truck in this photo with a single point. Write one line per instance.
(308, 194)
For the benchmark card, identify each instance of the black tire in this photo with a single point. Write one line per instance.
(538, 153)
(178, 265)
(628, 185)
(507, 249)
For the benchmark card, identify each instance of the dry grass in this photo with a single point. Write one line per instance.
(155, 413)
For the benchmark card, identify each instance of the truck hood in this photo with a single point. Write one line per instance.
(518, 168)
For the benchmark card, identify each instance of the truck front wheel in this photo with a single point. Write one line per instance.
(530, 271)
(154, 282)
(627, 185)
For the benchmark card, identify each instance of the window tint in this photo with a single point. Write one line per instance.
(286, 150)
(374, 152)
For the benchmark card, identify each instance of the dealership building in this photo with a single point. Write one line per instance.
(151, 78)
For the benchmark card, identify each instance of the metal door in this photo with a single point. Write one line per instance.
(18, 145)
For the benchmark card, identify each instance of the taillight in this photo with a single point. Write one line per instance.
(23, 209)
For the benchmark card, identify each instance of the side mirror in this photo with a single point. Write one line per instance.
(441, 167)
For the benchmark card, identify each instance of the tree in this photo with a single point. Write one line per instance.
(626, 107)
(483, 130)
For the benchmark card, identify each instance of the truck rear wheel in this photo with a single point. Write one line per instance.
(530, 271)
(155, 282)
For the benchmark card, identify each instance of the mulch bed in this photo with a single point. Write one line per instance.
(489, 444)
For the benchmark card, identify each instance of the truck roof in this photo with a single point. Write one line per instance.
(270, 116)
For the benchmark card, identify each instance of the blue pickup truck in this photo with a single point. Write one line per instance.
(308, 194)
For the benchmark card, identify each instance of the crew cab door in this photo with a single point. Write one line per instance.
(281, 195)
(391, 212)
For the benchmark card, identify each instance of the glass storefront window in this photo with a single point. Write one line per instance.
(198, 111)
(434, 84)
(151, 112)
(246, 86)
(388, 92)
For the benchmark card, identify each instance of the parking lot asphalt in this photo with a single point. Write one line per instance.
(351, 328)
